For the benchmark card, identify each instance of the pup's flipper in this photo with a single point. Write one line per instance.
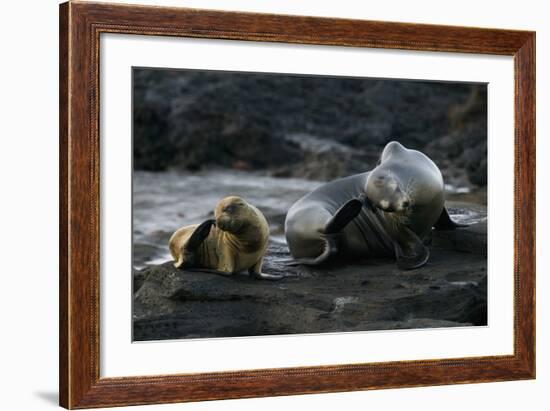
(264, 276)
(209, 271)
(446, 223)
(199, 235)
(343, 216)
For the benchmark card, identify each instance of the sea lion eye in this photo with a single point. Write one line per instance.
(228, 208)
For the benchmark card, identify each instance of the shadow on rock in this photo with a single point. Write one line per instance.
(450, 291)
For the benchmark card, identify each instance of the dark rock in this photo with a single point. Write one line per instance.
(326, 159)
(197, 119)
(471, 239)
(138, 279)
(142, 252)
(450, 291)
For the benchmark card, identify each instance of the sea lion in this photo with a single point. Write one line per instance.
(388, 211)
(234, 241)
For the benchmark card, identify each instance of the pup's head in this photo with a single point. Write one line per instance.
(232, 214)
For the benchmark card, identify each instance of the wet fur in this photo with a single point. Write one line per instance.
(236, 243)
(405, 199)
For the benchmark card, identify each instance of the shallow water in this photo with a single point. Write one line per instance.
(166, 201)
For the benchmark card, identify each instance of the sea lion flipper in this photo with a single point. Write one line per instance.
(265, 276)
(343, 216)
(410, 252)
(330, 248)
(199, 235)
(445, 222)
(256, 272)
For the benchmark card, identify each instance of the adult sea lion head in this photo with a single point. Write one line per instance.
(234, 215)
(402, 179)
(385, 187)
(386, 192)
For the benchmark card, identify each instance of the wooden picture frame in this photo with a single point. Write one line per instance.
(80, 27)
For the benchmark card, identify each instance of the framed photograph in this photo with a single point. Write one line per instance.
(259, 205)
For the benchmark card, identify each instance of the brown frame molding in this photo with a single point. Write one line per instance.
(81, 24)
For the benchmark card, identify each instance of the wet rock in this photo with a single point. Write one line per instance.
(473, 238)
(142, 253)
(450, 291)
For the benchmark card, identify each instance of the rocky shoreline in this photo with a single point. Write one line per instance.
(314, 127)
(450, 291)
(200, 136)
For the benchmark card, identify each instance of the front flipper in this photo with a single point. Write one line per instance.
(199, 235)
(343, 216)
(189, 251)
(446, 223)
(410, 252)
(330, 248)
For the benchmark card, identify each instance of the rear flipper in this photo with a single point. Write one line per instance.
(332, 233)
(330, 248)
(446, 223)
(256, 272)
(193, 243)
(259, 275)
(209, 271)
(264, 276)
(410, 252)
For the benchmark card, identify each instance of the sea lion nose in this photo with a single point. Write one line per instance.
(405, 203)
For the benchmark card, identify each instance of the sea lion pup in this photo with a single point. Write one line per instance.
(389, 211)
(236, 240)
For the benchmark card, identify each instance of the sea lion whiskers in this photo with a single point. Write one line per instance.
(398, 219)
(409, 188)
(403, 198)
(409, 191)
